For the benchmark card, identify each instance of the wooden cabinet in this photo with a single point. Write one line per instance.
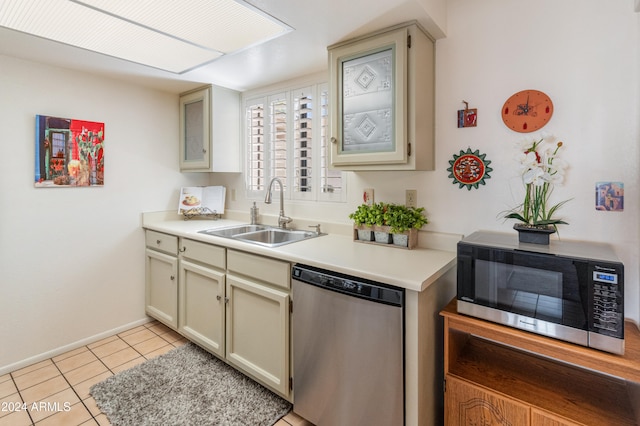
(467, 404)
(202, 294)
(500, 375)
(543, 418)
(257, 332)
(210, 130)
(382, 101)
(161, 277)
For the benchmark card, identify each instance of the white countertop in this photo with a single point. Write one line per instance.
(412, 269)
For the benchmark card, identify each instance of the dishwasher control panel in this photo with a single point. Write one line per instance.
(358, 287)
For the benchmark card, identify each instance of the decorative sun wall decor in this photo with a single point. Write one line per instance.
(469, 168)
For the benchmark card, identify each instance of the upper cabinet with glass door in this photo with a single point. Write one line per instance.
(382, 101)
(210, 130)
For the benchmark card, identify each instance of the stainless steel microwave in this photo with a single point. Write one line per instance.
(569, 290)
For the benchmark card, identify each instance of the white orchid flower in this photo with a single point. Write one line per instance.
(541, 168)
(534, 176)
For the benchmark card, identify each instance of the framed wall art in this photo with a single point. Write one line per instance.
(610, 196)
(69, 152)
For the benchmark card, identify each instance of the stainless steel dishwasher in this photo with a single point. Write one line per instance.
(348, 349)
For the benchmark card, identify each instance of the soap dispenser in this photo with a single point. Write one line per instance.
(254, 214)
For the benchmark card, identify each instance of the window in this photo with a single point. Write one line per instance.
(58, 144)
(287, 137)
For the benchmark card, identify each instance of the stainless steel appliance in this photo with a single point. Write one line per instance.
(348, 349)
(570, 290)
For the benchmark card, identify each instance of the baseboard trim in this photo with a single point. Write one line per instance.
(71, 346)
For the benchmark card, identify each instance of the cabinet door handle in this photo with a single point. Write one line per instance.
(226, 299)
(334, 140)
(158, 242)
(218, 297)
(182, 250)
(173, 278)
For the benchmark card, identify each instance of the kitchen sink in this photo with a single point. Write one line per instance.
(275, 236)
(263, 235)
(230, 231)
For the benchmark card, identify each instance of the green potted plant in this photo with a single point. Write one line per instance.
(402, 220)
(388, 223)
(365, 217)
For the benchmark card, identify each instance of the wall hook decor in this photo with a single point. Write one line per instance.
(467, 117)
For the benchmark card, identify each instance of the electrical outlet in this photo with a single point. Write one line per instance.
(367, 196)
(411, 198)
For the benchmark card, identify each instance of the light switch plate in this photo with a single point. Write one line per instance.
(367, 196)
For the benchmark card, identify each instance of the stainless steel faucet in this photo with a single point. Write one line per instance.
(282, 219)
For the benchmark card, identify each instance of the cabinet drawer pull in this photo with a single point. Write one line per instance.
(158, 242)
(182, 250)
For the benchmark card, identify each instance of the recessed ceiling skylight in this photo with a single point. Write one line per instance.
(175, 36)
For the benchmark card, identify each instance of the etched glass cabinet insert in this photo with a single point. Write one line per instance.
(368, 124)
(367, 103)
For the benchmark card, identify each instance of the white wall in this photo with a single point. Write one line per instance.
(584, 55)
(71, 259)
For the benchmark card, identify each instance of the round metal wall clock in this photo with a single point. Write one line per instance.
(469, 169)
(527, 111)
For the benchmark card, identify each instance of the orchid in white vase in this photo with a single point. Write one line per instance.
(541, 168)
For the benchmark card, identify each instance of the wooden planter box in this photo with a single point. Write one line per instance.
(369, 238)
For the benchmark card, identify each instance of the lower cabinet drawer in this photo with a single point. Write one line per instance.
(161, 242)
(275, 272)
(203, 253)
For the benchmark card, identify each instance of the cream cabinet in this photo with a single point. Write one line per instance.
(258, 318)
(161, 277)
(234, 304)
(210, 130)
(382, 101)
(201, 308)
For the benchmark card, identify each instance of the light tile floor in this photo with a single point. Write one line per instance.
(55, 392)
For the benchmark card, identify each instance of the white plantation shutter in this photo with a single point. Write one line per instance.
(278, 137)
(331, 180)
(256, 167)
(302, 142)
(287, 137)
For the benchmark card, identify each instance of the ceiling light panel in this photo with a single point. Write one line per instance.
(221, 25)
(156, 33)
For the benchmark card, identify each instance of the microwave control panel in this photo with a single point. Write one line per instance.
(607, 315)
